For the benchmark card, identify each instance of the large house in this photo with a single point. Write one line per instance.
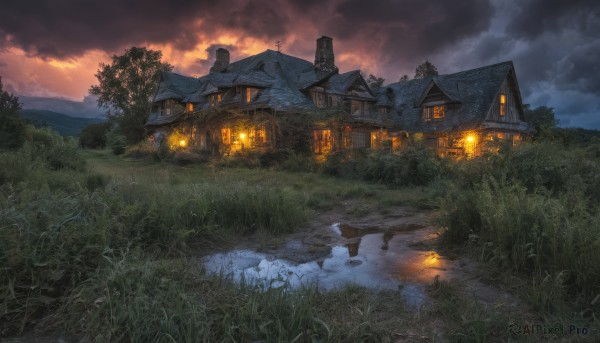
(275, 101)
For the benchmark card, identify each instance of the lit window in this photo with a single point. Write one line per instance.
(214, 99)
(356, 107)
(439, 112)
(258, 135)
(502, 104)
(250, 94)
(190, 107)
(226, 136)
(322, 140)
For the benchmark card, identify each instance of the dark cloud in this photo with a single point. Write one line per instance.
(409, 30)
(537, 17)
(200, 65)
(71, 27)
(580, 69)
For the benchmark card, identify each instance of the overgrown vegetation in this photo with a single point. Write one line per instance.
(104, 245)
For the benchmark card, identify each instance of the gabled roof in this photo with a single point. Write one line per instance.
(280, 76)
(175, 86)
(474, 90)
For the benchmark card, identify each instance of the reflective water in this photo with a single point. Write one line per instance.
(367, 257)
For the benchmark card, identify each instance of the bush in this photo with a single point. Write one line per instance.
(93, 136)
(116, 142)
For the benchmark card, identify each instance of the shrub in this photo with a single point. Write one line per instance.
(116, 142)
(93, 136)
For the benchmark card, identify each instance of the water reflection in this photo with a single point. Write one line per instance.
(365, 257)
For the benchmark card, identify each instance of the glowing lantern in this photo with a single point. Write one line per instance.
(182, 143)
(470, 138)
(242, 135)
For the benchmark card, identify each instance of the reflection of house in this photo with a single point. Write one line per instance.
(272, 101)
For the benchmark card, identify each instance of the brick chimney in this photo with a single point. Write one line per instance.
(324, 59)
(222, 60)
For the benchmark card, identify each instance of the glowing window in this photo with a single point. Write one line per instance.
(439, 112)
(190, 107)
(322, 140)
(258, 135)
(226, 136)
(502, 104)
(250, 93)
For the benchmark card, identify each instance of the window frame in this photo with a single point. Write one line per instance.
(502, 100)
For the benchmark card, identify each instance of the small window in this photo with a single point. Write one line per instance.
(383, 110)
(439, 112)
(502, 105)
(427, 113)
(215, 99)
(258, 135)
(250, 94)
(226, 136)
(190, 107)
(319, 99)
(356, 108)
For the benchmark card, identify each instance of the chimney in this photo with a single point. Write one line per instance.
(324, 59)
(222, 61)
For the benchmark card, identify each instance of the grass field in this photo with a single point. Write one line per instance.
(99, 247)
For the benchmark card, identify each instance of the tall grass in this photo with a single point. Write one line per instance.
(139, 299)
(535, 214)
(57, 221)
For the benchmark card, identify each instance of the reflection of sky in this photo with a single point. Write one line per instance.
(372, 267)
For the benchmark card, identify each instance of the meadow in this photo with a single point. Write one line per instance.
(102, 247)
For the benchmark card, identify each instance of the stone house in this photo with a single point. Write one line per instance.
(273, 101)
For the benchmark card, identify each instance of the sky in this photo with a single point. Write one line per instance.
(53, 48)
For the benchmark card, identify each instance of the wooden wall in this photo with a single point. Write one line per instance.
(512, 110)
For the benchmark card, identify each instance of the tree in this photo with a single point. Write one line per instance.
(93, 136)
(404, 78)
(12, 126)
(375, 82)
(425, 69)
(126, 88)
(542, 119)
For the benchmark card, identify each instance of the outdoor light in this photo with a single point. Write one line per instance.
(182, 143)
(242, 135)
(470, 138)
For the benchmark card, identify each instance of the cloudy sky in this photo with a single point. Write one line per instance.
(53, 48)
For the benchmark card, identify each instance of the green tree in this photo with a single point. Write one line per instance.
(425, 69)
(93, 136)
(126, 88)
(12, 126)
(375, 82)
(542, 119)
(404, 78)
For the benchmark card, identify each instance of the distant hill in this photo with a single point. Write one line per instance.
(63, 124)
(87, 108)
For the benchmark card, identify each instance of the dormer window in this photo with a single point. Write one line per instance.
(250, 93)
(214, 99)
(318, 99)
(434, 112)
(502, 104)
(439, 112)
(189, 107)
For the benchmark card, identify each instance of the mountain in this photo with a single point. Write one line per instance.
(87, 108)
(63, 124)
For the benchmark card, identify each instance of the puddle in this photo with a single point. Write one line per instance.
(370, 257)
